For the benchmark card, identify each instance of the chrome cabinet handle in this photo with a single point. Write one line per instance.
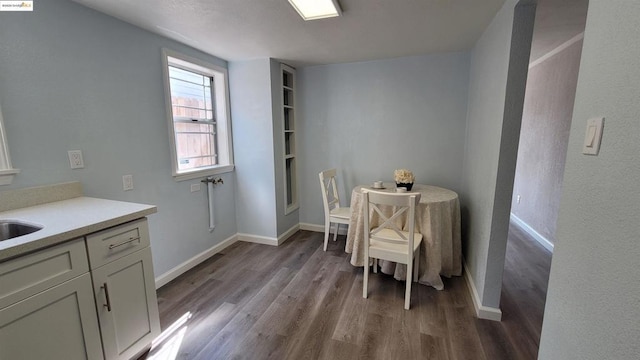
(106, 295)
(113, 246)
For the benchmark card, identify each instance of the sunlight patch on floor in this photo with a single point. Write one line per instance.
(167, 345)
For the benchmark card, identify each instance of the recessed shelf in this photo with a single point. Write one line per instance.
(289, 139)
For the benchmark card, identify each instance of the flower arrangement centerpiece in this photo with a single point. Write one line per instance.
(404, 178)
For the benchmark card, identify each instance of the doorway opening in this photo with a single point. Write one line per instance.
(546, 121)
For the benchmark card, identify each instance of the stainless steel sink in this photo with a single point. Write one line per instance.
(10, 229)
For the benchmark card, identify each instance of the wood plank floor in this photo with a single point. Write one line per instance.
(296, 301)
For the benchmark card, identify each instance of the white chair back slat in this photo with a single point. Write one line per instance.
(389, 222)
(393, 199)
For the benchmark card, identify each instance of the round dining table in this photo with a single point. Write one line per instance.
(437, 219)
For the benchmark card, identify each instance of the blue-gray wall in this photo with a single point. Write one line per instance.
(72, 78)
(496, 95)
(251, 109)
(256, 98)
(593, 299)
(368, 118)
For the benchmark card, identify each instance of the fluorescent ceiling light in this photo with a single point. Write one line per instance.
(316, 9)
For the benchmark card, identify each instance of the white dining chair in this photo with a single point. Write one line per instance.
(388, 241)
(333, 212)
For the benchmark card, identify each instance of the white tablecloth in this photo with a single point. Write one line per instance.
(437, 219)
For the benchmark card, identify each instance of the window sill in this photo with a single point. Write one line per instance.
(6, 176)
(203, 173)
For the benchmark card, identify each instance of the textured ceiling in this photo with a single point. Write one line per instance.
(369, 29)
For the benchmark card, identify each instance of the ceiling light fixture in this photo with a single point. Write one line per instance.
(316, 9)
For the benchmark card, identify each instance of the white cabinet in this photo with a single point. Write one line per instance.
(124, 289)
(126, 302)
(77, 301)
(58, 323)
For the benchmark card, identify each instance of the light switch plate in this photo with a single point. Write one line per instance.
(75, 159)
(593, 136)
(195, 187)
(127, 182)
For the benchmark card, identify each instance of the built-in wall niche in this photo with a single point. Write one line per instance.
(289, 138)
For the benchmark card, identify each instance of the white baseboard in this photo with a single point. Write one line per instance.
(187, 265)
(483, 312)
(320, 228)
(266, 240)
(311, 227)
(287, 234)
(258, 239)
(531, 231)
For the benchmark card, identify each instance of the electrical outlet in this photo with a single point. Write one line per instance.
(518, 199)
(195, 187)
(75, 159)
(127, 182)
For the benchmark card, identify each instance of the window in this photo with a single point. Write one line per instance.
(198, 115)
(6, 171)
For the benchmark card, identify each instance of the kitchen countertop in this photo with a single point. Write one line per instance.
(67, 219)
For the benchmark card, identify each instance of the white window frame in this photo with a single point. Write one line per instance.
(7, 172)
(221, 114)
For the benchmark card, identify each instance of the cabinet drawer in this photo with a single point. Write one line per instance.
(33, 273)
(116, 242)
